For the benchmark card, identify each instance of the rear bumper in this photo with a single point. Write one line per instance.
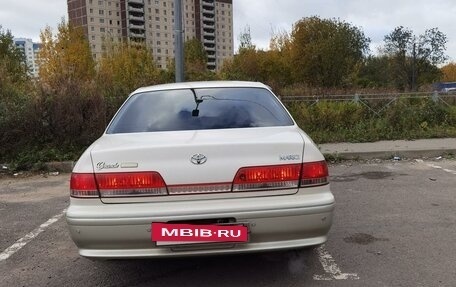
(276, 222)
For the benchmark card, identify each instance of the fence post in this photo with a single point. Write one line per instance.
(435, 96)
(356, 98)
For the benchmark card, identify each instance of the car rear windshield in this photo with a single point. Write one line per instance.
(198, 109)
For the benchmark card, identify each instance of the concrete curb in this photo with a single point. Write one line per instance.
(391, 154)
(389, 149)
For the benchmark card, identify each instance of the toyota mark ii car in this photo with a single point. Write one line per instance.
(198, 169)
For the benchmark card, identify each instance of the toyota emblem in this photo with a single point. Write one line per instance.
(198, 158)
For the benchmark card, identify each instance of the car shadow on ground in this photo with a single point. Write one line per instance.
(227, 270)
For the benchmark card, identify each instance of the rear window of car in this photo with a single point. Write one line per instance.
(198, 109)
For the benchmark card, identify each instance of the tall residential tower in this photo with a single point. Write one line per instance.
(152, 21)
(30, 51)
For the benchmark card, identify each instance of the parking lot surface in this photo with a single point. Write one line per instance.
(395, 225)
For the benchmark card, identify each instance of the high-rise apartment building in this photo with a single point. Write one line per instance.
(152, 21)
(30, 51)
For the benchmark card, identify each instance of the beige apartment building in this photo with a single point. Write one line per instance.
(152, 21)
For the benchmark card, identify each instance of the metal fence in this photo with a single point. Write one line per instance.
(376, 103)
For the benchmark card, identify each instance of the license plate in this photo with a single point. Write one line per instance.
(178, 234)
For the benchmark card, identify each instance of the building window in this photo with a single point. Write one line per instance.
(101, 12)
(102, 30)
(92, 28)
(91, 19)
(101, 20)
(90, 10)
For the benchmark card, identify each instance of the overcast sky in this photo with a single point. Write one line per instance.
(25, 18)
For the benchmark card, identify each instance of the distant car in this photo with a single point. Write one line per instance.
(449, 90)
(198, 169)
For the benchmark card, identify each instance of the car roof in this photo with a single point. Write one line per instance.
(199, 85)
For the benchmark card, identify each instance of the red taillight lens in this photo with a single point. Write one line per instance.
(267, 177)
(130, 184)
(314, 173)
(83, 185)
(89, 185)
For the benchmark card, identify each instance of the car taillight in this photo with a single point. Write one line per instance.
(130, 184)
(89, 185)
(83, 185)
(314, 173)
(267, 177)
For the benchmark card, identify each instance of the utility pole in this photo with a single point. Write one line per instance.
(179, 44)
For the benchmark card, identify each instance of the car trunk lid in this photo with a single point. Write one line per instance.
(199, 160)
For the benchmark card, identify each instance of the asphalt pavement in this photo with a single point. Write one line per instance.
(394, 225)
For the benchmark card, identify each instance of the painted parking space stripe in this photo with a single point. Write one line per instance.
(333, 271)
(444, 169)
(437, 167)
(29, 237)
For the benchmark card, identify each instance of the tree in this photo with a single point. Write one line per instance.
(375, 72)
(195, 61)
(326, 52)
(15, 98)
(123, 68)
(414, 57)
(69, 106)
(245, 63)
(12, 60)
(245, 39)
(449, 72)
(65, 56)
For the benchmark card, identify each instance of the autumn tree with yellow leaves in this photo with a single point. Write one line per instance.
(123, 68)
(65, 56)
(69, 107)
(449, 72)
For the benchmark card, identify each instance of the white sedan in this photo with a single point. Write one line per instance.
(198, 169)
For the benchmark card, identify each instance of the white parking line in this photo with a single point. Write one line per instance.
(27, 238)
(333, 271)
(444, 169)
